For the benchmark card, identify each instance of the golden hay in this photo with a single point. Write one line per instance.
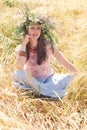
(81, 59)
(78, 90)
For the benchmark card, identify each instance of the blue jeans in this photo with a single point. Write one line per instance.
(53, 86)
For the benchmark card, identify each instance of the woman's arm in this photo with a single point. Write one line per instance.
(20, 58)
(21, 53)
(62, 59)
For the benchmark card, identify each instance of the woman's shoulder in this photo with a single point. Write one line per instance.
(18, 48)
(50, 46)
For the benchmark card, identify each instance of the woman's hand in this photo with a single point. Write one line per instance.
(26, 39)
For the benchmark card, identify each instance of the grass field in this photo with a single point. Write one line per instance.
(23, 110)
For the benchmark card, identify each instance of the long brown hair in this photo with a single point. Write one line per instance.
(41, 49)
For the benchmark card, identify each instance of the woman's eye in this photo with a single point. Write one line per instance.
(32, 27)
(38, 28)
(35, 28)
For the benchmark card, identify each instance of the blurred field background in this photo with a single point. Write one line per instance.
(22, 110)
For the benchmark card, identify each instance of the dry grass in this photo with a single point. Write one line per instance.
(22, 110)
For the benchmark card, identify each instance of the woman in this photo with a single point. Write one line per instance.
(34, 70)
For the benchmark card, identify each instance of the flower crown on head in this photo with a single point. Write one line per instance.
(29, 18)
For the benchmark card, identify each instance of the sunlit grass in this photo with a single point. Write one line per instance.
(23, 110)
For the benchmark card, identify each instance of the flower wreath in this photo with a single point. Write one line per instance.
(29, 18)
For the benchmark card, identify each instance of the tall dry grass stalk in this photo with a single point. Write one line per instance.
(23, 110)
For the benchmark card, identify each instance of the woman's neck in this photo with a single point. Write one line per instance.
(33, 44)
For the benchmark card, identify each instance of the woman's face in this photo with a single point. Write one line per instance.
(35, 31)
